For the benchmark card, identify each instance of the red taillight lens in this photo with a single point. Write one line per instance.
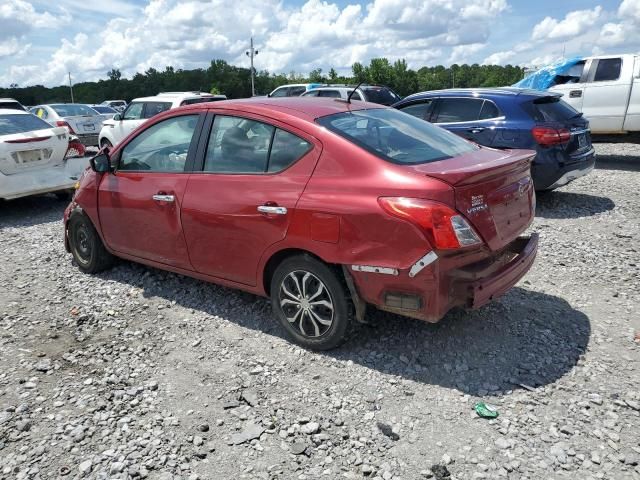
(445, 227)
(547, 136)
(62, 123)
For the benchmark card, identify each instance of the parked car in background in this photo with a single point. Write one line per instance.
(79, 120)
(607, 90)
(10, 103)
(368, 93)
(33, 157)
(514, 118)
(293, 90)
(118, 105)
(107, 113)
(141, 109)
(320, 205)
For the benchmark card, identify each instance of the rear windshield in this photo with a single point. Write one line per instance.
(550, 109)
(12, 106)
(73, 110)
(103, 109)
(10, 124)
(396, 136)
(381, 95)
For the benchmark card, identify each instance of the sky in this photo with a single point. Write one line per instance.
(42, 40)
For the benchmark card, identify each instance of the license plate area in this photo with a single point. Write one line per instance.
(30, 156)
(582, 141)
(89, 127)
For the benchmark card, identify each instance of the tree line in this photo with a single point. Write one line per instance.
(235, 82)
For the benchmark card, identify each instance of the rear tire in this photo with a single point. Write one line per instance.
(86, 246)
(105, 143)
(310, 301)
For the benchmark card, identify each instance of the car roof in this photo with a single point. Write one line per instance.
(301, 107)
(173, 96)
(483, 92)
(11, 111)
(8, 100)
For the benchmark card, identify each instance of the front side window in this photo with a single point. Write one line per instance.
(329, 93)
(162, 147)
(419, 110)
(454, 110)
(151, 109)
(395, 137)
(608, 69)
(280, 92)
(241, 145)
(133, 112)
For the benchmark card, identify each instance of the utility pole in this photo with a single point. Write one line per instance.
(252, 53)
(71, 87)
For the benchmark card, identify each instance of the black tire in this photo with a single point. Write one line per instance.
(64, 195)
(105, 143)
(86, 246)
(308, 308)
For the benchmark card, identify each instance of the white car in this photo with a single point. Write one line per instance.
(606, 89)
(141, 109)
(32, 156)
(10, 103)
(79, 119)
(367, 93)
(107, 113)
(118, 105)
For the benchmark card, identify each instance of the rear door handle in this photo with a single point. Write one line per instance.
(475, 129)
(575, 93)
(272, 210)
(161, 197)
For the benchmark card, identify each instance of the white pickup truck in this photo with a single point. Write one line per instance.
(606, 89)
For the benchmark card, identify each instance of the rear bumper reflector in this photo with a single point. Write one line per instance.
(425, 261)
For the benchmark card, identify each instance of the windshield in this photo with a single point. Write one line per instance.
(73, 110)
(396, 136)
(11, 124)
(381, 95)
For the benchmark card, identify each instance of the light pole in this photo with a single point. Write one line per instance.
(70, 87)
(252, 53)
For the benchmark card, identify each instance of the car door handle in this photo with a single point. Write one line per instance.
(161, 197)
(272, 209)
(475, 129)
(575, 93)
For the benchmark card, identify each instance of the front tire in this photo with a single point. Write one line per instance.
(310, 301)
(106, 143)
(86, 246)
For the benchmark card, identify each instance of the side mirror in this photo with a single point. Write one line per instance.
(268, 95)
(101, 163)
(117, 117)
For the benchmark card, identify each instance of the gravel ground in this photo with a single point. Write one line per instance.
(137, 373)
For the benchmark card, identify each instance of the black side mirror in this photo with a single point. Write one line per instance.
(101, 163)
(117, 117)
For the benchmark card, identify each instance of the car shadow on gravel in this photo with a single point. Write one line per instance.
(526, 338)
(630, 163)
(29, 211)
(560, 204)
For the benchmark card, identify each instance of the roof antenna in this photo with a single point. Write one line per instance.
(348, 100)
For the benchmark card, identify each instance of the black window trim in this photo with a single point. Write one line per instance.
(203, 144)
(436, 111)
(191, 153)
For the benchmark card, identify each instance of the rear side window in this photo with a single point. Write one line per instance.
(151, 109)
(608, 69)
(550, 109)
(454, 110)
(398, 138)
(162, 147)
(11, 124)
(241, 145)
(296, 91)
(489, 110)
(421, 109)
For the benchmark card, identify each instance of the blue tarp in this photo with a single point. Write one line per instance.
(544, 78)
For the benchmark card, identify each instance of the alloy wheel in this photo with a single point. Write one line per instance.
(306, 303)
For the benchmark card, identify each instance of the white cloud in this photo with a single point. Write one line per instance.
(464, 53)
(573, 24)
(630, 10)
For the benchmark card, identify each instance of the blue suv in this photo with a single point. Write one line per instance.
(514, 118)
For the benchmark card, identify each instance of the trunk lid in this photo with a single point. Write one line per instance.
(27, 151)
(493, 190)
(84, 124)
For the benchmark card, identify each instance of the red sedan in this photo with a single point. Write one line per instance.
(324, 206)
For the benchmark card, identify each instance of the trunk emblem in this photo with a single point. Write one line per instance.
(477, 204)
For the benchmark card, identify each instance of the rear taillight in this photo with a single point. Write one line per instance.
(62, 123)
(547, 136)
(445, 227)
